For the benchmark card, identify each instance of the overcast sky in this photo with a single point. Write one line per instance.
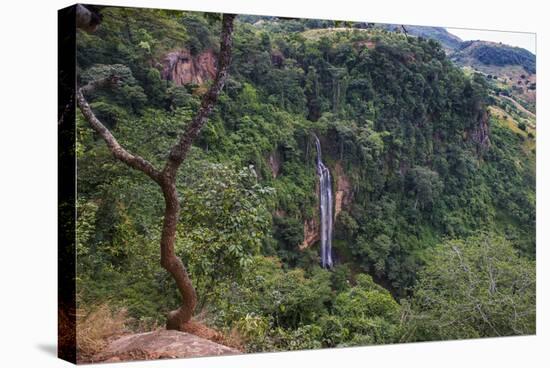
(525, 40)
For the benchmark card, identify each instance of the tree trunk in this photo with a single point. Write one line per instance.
(172, 263)
(167, 177)
(177, 318)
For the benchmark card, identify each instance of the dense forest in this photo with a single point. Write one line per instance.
(434, 184)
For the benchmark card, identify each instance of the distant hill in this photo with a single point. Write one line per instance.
(449, 41)
(512, 70)
(473, 53)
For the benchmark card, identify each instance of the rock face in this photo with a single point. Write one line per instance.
(184, 68)
(277, 59)
(311, 233)
(161, 344)
(480, 134)
(274, 162)
(312, 227)
(342, 197)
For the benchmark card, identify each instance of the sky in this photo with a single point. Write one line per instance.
(519, 39)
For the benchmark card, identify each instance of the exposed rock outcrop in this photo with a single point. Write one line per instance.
(184, 68)
(311, 233)
(277, 58)
(480, 135)
(343, 195)
(342, 199)
(274, 161)
(369, 44)
(161, 344)
(312, 227)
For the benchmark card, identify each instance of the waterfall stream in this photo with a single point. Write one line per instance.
(325, 194)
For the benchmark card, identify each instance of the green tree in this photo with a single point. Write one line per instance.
(425, 186)
(166, 177)
(366, 314)
(476, 287)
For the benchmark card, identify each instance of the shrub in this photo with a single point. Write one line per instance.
(94, 325)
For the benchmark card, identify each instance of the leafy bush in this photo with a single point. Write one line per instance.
(476, 287)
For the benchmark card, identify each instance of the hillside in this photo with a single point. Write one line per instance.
(420, 161)
(449, 41)
(477, 53)
(511, 68)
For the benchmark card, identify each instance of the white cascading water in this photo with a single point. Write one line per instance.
(325, 194)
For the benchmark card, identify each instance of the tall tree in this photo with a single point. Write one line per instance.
(166, 178)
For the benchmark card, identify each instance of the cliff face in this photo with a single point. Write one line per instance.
(274, 161)
(183, 68)
(342, 195)
(480, 135)
(312, 226)
(311, 233)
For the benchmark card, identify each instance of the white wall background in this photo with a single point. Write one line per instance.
(28, 188)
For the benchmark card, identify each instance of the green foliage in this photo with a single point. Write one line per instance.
(368, 313)
(425, 186)
(224, 217)
(397, 122)
(277, 309)
(476, 287)
(126, 92)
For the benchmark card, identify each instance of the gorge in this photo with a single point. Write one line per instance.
(416, 161)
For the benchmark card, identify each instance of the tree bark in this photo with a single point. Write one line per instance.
(171, 262)
(167, 177)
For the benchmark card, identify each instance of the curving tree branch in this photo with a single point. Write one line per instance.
(181, 148)
(134, 161)
(167, 177)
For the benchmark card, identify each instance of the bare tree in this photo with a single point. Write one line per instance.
(166, 178)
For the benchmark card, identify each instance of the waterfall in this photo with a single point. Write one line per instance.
(325, 194)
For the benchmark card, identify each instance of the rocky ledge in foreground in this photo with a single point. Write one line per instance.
(161, 344)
